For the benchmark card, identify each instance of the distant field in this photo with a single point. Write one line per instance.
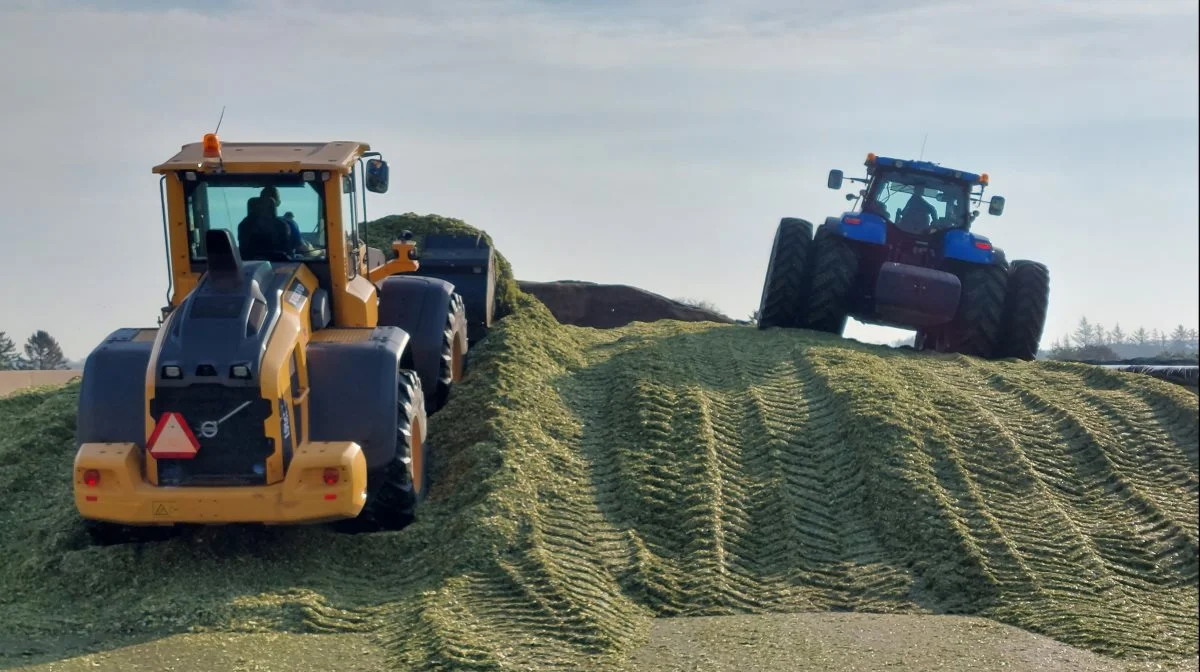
(11, 381)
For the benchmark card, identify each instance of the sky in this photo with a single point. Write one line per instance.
(652, 144)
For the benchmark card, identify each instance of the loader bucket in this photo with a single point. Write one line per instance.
(469, 263)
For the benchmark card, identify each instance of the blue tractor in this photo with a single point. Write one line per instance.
(905, 256)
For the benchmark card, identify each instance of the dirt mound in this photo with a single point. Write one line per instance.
(587, 480)
(587, 304)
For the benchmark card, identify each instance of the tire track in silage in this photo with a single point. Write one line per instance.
(815, 547)
(714, 573)
(631, 440)
(1068, 451)
(793, 538)
(978, 467)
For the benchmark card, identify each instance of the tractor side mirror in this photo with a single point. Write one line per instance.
(377, 176)
(996, 206)
(835, 179)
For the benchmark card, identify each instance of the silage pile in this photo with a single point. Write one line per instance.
(587, 480)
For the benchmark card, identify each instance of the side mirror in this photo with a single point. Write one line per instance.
(996, 206)
(835, 179)
(377, 176)
(851, 197)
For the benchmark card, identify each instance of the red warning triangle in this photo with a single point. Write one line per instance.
(172, 438)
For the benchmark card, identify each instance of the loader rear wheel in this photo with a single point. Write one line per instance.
(834, 269)
(1024, 310)
(394, 490)
(975, 330)
(782, 301)
(454, 353)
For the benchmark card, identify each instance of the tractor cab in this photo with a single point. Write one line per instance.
(917, 197)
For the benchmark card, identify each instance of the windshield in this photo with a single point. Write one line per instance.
(918, 203)
(271, 217)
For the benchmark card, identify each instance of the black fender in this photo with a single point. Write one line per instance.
(353, 391)
(112, 394)
(420, 305)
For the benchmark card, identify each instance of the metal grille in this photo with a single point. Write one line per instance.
(236, 454)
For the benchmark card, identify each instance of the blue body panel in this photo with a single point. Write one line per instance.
(870, 229)
(927, 167)
(961, 245)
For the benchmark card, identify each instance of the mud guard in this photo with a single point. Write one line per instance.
(112, 394)
(353, 391)
(420, 306)
(469, 263)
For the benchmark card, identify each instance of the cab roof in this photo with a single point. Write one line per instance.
(269, 156)
(927, 167)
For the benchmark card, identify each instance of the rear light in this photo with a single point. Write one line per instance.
(852, 220)
(331, 476)
(982, 245)
(91, 478)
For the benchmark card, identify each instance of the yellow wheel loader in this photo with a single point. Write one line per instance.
(289, 379)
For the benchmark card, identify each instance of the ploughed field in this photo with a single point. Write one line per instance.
(586, 481)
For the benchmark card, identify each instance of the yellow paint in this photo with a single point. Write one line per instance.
(403, 263)
(122, 496)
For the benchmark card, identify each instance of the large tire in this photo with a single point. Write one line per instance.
(782, 301)
(454, 353)
(975, 330)
(395, 489)
(834, 269)
(1024, 310)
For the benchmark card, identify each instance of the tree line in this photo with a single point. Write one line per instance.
(40, 352)
(1094, 341)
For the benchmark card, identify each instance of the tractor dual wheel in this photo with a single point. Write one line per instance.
(395, 489)
(1024, 310)
(782, 301)
(834, 269)
(976, 328)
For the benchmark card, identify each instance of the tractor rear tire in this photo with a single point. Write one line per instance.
(454, 353)
(782, 301)
(975, 330)
(399, 485)
(1024, 310)
(834, 269)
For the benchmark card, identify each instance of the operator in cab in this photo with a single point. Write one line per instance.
(264, 235)
(918, 214)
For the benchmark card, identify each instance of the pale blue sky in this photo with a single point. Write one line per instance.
(655, 144)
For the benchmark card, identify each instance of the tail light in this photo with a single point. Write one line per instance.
(91, 478)
(331, 476)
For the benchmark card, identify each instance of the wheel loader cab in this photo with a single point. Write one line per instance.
(245, 187)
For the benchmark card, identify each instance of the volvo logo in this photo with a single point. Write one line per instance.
(209, 428)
